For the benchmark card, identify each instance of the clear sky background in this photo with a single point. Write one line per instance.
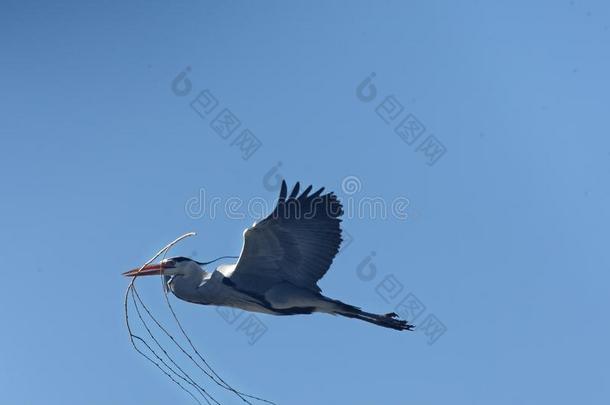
(506, 240)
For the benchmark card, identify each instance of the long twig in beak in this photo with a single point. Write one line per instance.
(133, 337)
(169, 370)
(159, 253)
(214, 376)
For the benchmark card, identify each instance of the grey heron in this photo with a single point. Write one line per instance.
(282, 259)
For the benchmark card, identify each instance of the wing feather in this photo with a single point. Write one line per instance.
(296, 243)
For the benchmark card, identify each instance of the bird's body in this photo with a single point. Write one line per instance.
(215, 288)
(282, 259)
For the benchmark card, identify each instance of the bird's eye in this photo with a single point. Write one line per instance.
(169, 263)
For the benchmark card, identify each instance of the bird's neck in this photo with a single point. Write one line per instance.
(185, 286)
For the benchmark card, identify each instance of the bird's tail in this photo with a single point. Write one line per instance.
(387, 321)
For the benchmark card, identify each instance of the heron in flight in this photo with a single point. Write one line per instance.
(282, 259)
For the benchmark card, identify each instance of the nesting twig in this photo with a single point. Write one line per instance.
(173, 371)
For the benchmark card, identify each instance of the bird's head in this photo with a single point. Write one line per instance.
(173, 266)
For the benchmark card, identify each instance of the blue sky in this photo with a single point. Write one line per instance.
(505, 242)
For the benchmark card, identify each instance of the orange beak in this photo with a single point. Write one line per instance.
(150, 270)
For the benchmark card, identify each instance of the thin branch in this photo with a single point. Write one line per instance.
(226, 385)
(183, 375)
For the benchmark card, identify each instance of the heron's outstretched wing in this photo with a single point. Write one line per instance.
(295, 244)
